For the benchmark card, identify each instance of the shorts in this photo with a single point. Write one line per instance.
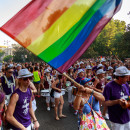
(57, 95)
(116, 126)
(34, 107)
(38, 82)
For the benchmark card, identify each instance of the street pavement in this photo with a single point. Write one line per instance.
(47, 119)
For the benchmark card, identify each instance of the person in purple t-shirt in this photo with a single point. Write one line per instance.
(20, 110)
(116, 92)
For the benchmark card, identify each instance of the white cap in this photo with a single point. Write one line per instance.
(103, 59)
(80, 70)
(88, 67)
(110, 68)
(23, 73)
(10, 65)
(18, 65)
(81, 62)
(100, 71)
(47, 71)
(71, 67)
(122, 71)
(99, 65)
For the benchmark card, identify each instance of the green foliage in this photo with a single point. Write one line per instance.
(23, 55)
(113, 40)
(7, 58)
(1, 53)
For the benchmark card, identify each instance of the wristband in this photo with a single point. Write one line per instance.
(78, 95)
(92, 92)
(34, 121)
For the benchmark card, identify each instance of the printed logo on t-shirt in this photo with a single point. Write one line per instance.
(26, 104)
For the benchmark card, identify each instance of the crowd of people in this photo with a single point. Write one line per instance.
(101, 82)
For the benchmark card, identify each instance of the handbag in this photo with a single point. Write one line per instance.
(93, 121)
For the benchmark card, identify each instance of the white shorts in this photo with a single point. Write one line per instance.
(34, 106)
(116, 126)
(57, 95)
(29, 127)
(48, 98)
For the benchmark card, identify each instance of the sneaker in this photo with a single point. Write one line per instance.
(48, 109)
(106, 117)
(53, 106)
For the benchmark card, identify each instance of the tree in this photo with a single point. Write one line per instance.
(103, 44)
(1, 53)
(7, 58)
(23, 55)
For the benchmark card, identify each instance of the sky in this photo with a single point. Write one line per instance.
(8, 8)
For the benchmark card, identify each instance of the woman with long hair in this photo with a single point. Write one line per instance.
(57, 86)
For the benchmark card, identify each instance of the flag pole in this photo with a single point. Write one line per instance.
(72, 80)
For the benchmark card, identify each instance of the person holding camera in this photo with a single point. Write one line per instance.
(116, 95)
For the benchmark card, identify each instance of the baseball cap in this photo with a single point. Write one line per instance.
(122, 71)
(85, 80)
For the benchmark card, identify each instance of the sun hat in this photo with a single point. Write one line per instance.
(100, 65)
(80, 70)
(23, 73)
(88, 67)
(122, 71)
(100, 71)
(110, 68)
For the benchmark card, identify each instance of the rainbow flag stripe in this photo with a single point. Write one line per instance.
(59, 32)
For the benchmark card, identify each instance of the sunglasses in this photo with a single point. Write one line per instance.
(10, 72)
(25, 79)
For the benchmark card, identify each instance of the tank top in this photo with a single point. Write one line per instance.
(36, 76)
(47, 82)
(8, 84)
(59, 85)
(21, 112)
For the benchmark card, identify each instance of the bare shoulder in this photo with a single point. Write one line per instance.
(14, 97)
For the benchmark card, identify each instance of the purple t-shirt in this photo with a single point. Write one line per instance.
(5, 87)
(114, 91)
(21, 112)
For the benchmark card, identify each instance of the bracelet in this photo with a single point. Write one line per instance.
(78, 95)
(92, 92)
(34, 121)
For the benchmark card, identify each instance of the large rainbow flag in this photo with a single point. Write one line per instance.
(59, 31)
